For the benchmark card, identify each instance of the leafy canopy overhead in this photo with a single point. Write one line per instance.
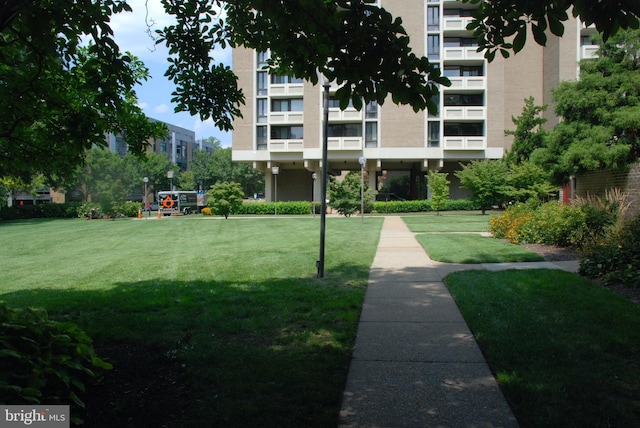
(60, 95)
(65, 97)
(502, 25)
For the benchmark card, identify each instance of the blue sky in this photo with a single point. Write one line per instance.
(154, 96)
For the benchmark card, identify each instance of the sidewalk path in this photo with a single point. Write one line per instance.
(415, 361)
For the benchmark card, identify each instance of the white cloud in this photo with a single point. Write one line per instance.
(161, 108)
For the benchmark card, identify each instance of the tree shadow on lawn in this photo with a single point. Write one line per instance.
(187, 354)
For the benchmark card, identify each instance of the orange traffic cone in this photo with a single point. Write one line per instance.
(139, 214)
(159, 216)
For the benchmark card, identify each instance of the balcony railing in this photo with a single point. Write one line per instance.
(344, 143)
(462, 53)
(464, 113)
(468, 82)
(286, 117)
(456, 23)
(589, 51)
(348, 115)
(286, 145)
(465, 143)
(286, 89)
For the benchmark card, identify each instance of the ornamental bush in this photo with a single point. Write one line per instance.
(550, 223)
(44, 361)
(615, 257)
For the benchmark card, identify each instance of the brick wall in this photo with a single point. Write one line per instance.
(596, 183)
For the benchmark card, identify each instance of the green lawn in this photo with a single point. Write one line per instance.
(448, 221)
(565, 351)
(473, 248)
(230, 311)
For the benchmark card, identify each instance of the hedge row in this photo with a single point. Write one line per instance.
(130, 209)
(21, 212)
(422, 205)
(67, 210)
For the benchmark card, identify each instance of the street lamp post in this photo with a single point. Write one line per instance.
(323, 183)
(170, 177)
(362, 161)
(313, 197)
(146, 203)
(275, 171)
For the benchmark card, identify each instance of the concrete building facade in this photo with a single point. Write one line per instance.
(282, 120)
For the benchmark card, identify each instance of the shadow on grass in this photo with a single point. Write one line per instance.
(233, 354)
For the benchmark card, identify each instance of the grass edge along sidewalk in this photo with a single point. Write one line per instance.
(565, 351)
(204, 319)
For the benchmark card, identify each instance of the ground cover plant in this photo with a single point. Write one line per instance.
(206, 321)
(565, 351)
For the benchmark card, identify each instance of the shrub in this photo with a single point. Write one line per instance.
(206, 211)
(614, 257)
(550, 223)
(127, 209)
(225, 198)
(44, 361)
(422, 205)
(22, 212)
(89, 210)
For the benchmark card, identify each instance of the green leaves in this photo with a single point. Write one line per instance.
(496, 22)
(44, 361)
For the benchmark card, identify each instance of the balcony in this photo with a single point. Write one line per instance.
(286, 89)
(286, 145)
(279, 117)
(468, 82)
(465, 143)
(344, 143)
(348, 115)
(462, 53)
(464, 113)
(456, 23)
(589, 51)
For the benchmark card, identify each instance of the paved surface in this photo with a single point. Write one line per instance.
(415, 361)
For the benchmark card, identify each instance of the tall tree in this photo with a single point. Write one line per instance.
(64, 96)
(601, 113)
(529, 133)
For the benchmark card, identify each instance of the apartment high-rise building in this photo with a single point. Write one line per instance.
(282, 124)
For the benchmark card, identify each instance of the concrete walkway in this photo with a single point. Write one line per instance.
(415, 361)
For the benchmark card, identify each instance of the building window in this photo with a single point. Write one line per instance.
(463, 13)
(262, 110)
(371, 110)
(433, 46)
(463, 129)
(433, 18)
(163, 147)
(371, 134)
(262, 83)
(463, 100)
(286, 133)
(261, 138)
(463, 71)
(283, 80)
(293, 104)
(456, 42)
(434, 134)
(345, 130)
(436, 101)
(262, 59)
